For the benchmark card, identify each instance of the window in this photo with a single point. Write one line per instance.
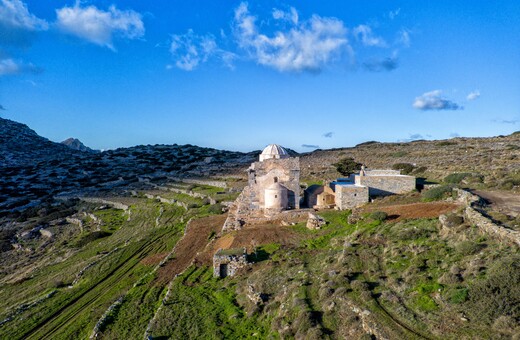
(276, 179)
(275, 196)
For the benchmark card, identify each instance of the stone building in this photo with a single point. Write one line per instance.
(384, 182)
(358, 188)
(274, 181)
(319, 196)
(350, 195)
(227, 262)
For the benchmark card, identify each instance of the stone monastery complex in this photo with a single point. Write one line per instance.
(274, 191)
(274, 187)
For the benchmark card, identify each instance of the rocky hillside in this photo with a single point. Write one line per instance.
(19, 145)
(76, 144)
(493, 160)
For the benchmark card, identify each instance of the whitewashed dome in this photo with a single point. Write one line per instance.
(273, 151)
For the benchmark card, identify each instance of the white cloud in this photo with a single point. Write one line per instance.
(9, 66)
(473, 95)
(14, 14)
(364, 34)
(98, 26)
(393, 14)
(190, 50)
(291, 15)
(304, 46)
(434, 101)
(404, 38)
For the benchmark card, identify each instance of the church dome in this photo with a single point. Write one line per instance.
(273, 151)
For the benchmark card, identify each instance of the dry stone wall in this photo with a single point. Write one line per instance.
(486, 225)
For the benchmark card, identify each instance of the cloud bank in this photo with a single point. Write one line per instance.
(304, 46)
(434, 101)
(310, 146)
(98, 26)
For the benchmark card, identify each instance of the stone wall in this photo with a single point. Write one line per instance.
(486, 225)
(350, 196)
(383, 185)
(233, 260)
(213, 183)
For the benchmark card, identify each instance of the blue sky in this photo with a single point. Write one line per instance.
(240, 75)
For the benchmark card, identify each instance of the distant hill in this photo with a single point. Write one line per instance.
(76, 144)
(19, 145)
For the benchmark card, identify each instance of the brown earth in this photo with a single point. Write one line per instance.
(154, 259)
(193, 241)
(414, 210)
(250, 237)
(502, 201)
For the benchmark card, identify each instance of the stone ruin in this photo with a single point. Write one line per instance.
(315, 222)
(227, 262)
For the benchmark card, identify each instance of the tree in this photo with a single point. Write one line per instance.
(347, 166)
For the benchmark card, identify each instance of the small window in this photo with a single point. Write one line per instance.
(355, 195)
(276, 179)
(275, 196)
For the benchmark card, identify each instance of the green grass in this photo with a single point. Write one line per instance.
(201, 306)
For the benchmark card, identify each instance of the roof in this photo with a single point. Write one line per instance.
(274, 151)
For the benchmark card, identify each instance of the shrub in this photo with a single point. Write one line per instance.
(446, 143)
(454, 220)
(420, 170)
(456, 178)
(437, 193)
(406, 168)
(378, 215)
(498, 293)
(469, 247)
(347, 166)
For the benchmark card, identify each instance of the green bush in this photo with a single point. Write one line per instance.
(406, 168)
(437, 193)
(456, 178)
(378, 215)
(347, 166)
(420, 170)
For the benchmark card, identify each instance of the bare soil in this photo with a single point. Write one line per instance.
(250, 237)
(414, 210)
(194, 241)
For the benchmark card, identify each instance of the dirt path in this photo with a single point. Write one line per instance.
(504, 201)
(195, 240)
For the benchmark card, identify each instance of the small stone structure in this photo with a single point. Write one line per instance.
(226, 262)
(349, 195)
(315, 222)
(319, 196)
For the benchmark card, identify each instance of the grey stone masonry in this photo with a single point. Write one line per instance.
(349, 196)
(285, 171)
(227, 262)
(381, 184)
